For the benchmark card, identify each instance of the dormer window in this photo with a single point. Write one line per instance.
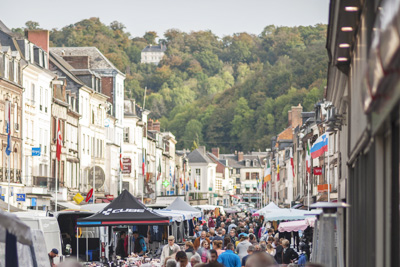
(31, 56)
(46, 63)
(254, 162)
(247, 163)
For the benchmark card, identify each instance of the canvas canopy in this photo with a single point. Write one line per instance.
(270, 206)
(124, 210)
(181, 207)
(295, 226)
(286, 214)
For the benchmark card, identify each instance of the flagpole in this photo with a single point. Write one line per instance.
(329, 176)
(94, 169)
(9, 181)
(56, 165)
(143, 150)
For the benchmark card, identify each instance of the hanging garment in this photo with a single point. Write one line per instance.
(11, 250)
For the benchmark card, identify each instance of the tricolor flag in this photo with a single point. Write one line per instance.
(121, 165)
(267, 173)
(59, 143)
(291, 160)
(320, 146)
(277, 167)
(308, 157)
(8, 130)
(143, 166)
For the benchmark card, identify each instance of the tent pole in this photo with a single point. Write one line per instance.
(77, 243)
(87, 244)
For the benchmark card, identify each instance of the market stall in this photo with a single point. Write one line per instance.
(125, 210)
(295, 226)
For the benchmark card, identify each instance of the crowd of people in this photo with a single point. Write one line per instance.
(233, 242)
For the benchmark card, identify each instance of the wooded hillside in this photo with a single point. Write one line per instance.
(233, 91)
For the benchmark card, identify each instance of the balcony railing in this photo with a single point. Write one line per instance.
(43, 181)
(15, 175)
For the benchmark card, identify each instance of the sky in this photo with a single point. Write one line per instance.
(222, 17)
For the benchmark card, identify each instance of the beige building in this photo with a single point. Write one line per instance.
(10, 92)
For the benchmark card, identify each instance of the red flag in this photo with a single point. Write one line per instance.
(59, 141)
(291, 161)
(121, 165)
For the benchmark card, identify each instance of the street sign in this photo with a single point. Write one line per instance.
(89, 195)
(36, 151)
(166, 183)
(21, 197)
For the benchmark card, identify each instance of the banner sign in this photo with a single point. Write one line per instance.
(317, 171)
(127, 165)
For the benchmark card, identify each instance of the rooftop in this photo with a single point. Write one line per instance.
(155, 48)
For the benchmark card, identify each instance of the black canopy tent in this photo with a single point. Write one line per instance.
(124, 210)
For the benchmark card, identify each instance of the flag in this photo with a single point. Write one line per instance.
(259, 184)
(8, 121)
(277, 167)
(180, 180)
(291, 160)
(170, 176)
(320, 146)
(267, 173)
(195, 183)
(121, 164)
(59, 142)
(159, 170)
(308, 157)
(143, 166)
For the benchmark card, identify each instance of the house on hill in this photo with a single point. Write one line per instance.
(153, 54)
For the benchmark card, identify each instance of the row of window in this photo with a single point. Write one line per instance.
(92, 146)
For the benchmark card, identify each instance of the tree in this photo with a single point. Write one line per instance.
(150, 37)
(193, 133)
(32, 25)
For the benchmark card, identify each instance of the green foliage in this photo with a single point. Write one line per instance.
(233, 92)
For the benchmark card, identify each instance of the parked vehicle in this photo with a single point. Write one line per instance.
(49, 227)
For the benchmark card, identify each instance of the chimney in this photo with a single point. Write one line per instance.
(149, 124)
(78, 62)
(215, 151)
(296, 119)
(39, 38)
(240, 156)
(202, 149)
(157, 126)
(289, 118)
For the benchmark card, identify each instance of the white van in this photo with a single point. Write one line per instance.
(49, 227)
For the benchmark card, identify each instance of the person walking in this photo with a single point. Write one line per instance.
(270, 250)
(213, 256)
(182, 259)
(250, 251)
(229, 258)
(204, 251)
(198, 241)
(288, 254)
(169, 249)
(243, 245)
(189, 249)
(217, 245)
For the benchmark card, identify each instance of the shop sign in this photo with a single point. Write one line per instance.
(127, 165)
(324, 188)
(317, 171)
